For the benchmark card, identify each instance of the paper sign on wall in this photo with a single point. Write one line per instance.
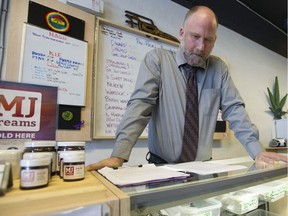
(52, 59)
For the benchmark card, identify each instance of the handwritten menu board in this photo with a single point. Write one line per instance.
(120, 53)
(53, 59)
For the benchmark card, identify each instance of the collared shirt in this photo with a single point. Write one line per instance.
(159, 98)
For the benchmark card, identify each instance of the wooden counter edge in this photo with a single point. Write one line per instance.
(123, 197)
(59, 196)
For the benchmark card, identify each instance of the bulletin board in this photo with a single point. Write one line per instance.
(52, 59)
(119, 53)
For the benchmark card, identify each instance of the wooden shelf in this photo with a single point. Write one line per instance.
(58, 196)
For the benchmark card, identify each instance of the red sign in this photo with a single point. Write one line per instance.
(27, 111)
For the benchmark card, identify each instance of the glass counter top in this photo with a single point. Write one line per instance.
(195, 187)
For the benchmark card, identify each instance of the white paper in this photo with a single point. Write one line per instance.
(204, 168)
(237, 160)
(138, 175)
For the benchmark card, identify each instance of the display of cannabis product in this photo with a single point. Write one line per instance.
(42, 147)
(62, 155)
(34, 173)
(68, 146)
(73, 167)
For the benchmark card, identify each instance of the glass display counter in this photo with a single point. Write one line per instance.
(150, 198)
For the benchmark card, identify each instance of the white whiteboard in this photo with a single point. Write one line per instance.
(53, 59)
(120, 53)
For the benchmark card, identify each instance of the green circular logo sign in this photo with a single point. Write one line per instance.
(67, 115)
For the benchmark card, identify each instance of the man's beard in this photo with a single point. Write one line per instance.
(194, 58)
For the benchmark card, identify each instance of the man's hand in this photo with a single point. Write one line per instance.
(109, 162)
(270, 157)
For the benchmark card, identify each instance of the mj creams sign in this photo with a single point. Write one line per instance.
(27, 111)
(22, 110)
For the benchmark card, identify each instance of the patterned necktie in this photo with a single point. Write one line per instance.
(191, 126)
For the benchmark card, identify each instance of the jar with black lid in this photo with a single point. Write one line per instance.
(42, 147)
(66, 147)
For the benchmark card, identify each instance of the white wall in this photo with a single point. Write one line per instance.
(253, 69)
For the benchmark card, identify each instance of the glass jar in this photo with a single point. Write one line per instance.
(42, 147)
(66, 147)
(73, 168)
(34, 173)
(35, 155)
(68, 154)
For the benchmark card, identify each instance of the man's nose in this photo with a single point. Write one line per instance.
(201, 45)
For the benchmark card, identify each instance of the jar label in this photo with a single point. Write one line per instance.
(73, 171)
(249, 205)
(32, 178)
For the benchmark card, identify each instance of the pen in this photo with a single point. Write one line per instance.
(140, 165)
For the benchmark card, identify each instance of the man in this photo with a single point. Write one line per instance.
(159, 97)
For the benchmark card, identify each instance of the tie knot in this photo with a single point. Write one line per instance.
(190, 69)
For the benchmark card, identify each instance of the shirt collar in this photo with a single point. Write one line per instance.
(180, 60)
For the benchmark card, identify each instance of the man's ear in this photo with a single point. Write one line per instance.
(181, 33)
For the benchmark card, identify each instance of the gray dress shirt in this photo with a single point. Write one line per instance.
(159, 99)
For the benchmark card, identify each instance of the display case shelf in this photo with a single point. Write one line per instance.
(153, 197)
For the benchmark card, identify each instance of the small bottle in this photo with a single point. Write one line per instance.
(34, 173)
(66, 147)
(42, 147)
(73, 168)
